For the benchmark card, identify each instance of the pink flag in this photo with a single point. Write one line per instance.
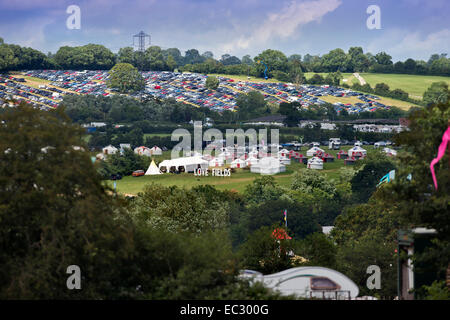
(441, 151)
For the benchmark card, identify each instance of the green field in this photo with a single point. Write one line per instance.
(415, 85)
(238, 180)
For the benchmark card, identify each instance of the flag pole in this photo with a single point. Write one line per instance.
(285, 217)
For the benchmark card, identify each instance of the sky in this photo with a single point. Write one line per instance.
(408, 28)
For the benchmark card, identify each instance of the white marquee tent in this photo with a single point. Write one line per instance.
(186, 164)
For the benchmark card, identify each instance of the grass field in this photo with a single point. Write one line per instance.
(238, 180)
(387, 101)
(415, 85)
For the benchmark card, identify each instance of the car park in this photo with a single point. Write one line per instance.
(184, 87)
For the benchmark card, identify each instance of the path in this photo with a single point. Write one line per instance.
(361, 79)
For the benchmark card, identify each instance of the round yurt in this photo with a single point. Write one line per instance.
(284, 160)
(238, 163)
(216, 162)
(156, 151)
(315, 163)
(251, 161)
(143, 151)
(110, 150)
(357, 151)
(313, 151)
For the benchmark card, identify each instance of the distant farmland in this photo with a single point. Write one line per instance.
(415, 85)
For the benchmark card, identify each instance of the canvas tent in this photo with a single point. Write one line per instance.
(152, 169)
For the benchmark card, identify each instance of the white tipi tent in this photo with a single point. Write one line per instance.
(152, 169)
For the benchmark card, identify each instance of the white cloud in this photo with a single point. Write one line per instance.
(401, 44)
(284, 23)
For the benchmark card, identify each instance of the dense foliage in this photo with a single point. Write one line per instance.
(280, 66)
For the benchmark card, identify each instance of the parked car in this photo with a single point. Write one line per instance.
(116, 177)
(138, 173)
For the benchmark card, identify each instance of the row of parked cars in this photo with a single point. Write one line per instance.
(190, 88)
(44, 99)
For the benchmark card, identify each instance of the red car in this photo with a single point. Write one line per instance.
(138, 173)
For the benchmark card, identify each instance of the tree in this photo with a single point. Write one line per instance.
(316, 79)
(228, 60)
(355, 256)
(437, 93)
(383, 58)
(208, 55)
(247, 60)
(7, 59)
(417, 201)
(125, 78)
(382, 89)
(357, 60)
(178, 210)
(264, 253)
(126, 55)
(212, 83)
(334, 61)
(192, 56)
(274, 59)
(55, 212)
(251, 104)
(171, 63)
(318, 249)
(366, 179)
(301, 221)
(262, 189)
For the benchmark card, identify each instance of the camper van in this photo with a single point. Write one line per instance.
(334, 143)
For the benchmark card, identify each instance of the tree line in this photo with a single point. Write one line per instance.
(280, 66)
